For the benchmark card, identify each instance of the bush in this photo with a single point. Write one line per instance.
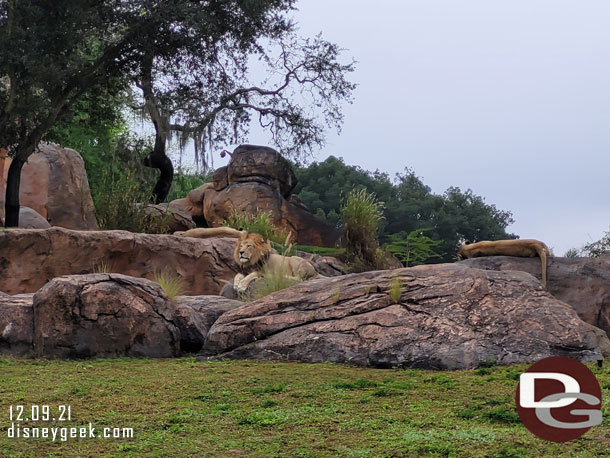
(120, 206)
(262, 224)
(184, 183)
(414, 248)
(361, 216)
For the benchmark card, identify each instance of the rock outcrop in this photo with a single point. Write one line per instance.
(30, 258)
(259, 179)
(448, 316)
(28, 218)
(584, 283)
(54, 184)
(16, 324)
(104, 315)
(195, 315)
(175, 213)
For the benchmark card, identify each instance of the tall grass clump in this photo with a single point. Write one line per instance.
(271, 282)
(261, 223)
(172, 284)
(121, 205)
(395, 290)
(361, 216)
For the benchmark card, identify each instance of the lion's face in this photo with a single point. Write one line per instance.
(251, 249)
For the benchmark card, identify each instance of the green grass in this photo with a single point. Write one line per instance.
(172, 284)
(179, 407)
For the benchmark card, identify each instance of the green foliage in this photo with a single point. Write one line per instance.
(261, 223)
(596, 249)
(572, 253)
(67, 59)
(414, 248)
(261, 408)
(172, 284)
(409, 205)
(184, 182)
(361, 215)
(395, 290)
(120, 206)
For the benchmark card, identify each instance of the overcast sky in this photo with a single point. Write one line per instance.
(510, 98)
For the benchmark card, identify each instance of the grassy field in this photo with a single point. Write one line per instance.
(179, 407)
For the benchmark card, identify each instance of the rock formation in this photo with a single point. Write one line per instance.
(584, 283)
(54, 184)
(16, 324)
(448, 316)
(104, 315)
(259, 179)
(31, 258)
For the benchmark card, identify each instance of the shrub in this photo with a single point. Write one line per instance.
(414, 248)
(185, 182)
(261, 223)
(120, 206)
(361, 216)
(172, 284)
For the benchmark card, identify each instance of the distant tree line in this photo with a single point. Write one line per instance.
(409, 206)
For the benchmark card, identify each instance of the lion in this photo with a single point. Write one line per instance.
(254, 255)
(527, 248)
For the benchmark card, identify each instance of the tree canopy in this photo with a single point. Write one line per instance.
(409, 206)
(189, 59)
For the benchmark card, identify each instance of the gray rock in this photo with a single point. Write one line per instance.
(584, 283)
(104, 315)
(30, 258)
(16, 324)
(195, 315)
(448, 316)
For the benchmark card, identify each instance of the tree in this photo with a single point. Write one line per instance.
(414, 248)
(409, 206)
(190, 59)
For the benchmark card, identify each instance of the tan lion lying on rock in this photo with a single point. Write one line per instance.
(254, 255)
(527, 248)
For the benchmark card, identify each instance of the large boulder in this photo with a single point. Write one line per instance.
(175, 215)
(28, 218)
(252, 163)
(195, 315)
(258, 180)
(16, 324)
(104, 315)
(54, 184)
(194, 203)
(584, 283)
(448, 316)
(30, 258)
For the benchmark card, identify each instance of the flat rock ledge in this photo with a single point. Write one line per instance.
(448, 316)
(30, 258)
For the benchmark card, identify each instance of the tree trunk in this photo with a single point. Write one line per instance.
(158, 159)
(13, 181)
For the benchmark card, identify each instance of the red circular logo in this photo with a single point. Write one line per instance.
(559, 399)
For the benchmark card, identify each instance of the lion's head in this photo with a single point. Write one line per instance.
(251, 250)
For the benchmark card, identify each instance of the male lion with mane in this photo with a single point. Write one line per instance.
(526, 248)
(254, 255)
